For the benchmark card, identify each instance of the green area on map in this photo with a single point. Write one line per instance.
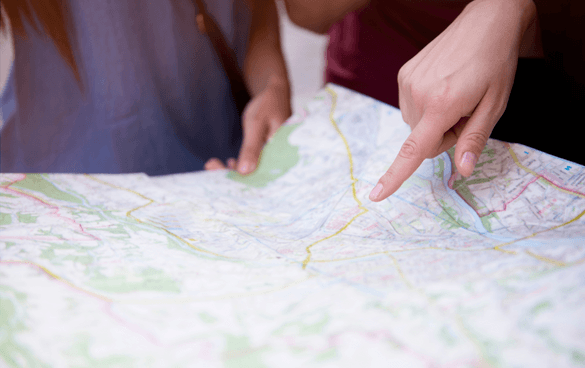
(278, 156)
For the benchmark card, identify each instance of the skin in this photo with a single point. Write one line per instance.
(455, 89)
(319, 15)
(266, 78)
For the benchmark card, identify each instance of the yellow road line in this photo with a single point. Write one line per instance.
(542, 258)
(485, 361)
(60, 279)
(515, 158)
(151, 201)
(402, 250)
(27, 194)
(546, 259)
(539, 257)
(353, 179)
(160, 301)
(404, 279)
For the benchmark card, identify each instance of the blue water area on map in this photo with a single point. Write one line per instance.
(477, 220)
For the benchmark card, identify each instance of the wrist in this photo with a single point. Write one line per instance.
(527, 10)
(522, 10)
(529, 44)
(278, 84)
(519, 17)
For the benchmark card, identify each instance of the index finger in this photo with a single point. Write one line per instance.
(422, 141)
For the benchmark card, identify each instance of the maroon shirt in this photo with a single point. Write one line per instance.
(368, 47)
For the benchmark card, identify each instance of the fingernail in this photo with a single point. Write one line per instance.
(452, 180)
(375, 193)
(245, 168)
(468, 161)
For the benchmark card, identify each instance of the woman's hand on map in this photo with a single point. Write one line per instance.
(262, 117)
(457, 87)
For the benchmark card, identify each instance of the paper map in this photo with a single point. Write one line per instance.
(293, 266)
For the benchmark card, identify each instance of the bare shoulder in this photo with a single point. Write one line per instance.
(319, 15)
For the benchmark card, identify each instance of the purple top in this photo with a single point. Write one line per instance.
(154, 97)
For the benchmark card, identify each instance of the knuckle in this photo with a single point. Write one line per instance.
(409, 150)
(441, 96)
(402, 73)
(417, 92)
(477, 139)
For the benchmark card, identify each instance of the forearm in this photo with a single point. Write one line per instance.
(530, 44)
(264, 64)
(522, 13)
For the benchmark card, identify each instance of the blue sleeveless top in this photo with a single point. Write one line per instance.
(154, 97)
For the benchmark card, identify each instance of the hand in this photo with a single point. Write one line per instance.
(457, 87)
(262, 117)
(215, 163)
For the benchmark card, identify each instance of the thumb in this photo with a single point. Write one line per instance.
(254, 138)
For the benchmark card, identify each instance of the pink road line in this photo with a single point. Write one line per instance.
(453, 176)
(43, 238)
(142, 332)
(560, 187)
(549, 205)
(466, 201)
(384, 334)
(517, 162)
(21, 177)
(452, 180)
(505, 207)
(57, 278)
(295, 119)
(107, 303)
(147, 335)
(522, 191)
(54, 208)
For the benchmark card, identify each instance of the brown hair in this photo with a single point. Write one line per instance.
(51, 15)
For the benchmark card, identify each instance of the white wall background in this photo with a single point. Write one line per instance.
(304, 52)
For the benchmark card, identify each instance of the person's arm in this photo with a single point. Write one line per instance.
(264, 62)
(266, 76)
(456, 88)
(318, 16)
